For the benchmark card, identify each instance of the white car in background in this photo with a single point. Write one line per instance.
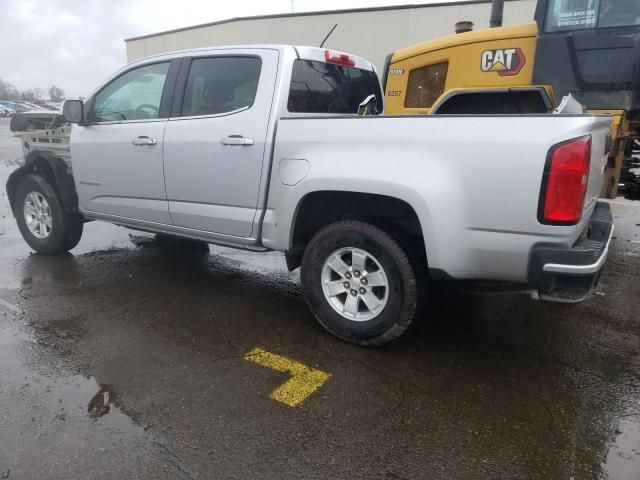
(52, 106)
(21, 106)
(6, 111)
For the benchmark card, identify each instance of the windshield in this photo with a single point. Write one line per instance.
(563, 15)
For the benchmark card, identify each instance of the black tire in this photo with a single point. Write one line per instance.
(405, 289)
(64, 226)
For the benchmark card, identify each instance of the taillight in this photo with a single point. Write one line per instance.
(565, 182)
(339, 58)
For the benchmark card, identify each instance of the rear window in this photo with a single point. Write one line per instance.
(563, 15)
(318, 87)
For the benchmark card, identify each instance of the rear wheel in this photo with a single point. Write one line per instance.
(42, 221)
(360, 283)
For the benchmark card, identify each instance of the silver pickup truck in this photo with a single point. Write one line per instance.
(261, 148)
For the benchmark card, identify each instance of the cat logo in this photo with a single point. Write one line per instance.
(506, 61)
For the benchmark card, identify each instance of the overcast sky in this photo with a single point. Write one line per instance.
(75, 44)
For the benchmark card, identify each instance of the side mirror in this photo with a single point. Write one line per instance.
(369, 106)
(73, 111)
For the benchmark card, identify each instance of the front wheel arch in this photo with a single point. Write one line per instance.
(55, 170)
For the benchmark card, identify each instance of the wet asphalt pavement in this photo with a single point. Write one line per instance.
(125, 359)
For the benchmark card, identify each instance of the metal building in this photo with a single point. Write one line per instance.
(369, 32)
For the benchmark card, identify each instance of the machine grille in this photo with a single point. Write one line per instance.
(425, 85)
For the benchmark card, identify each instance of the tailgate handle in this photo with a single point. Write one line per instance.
(236, 140)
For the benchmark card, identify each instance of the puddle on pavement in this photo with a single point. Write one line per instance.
(101, 402)
(623, 455)
(55, 423)
(33, 385)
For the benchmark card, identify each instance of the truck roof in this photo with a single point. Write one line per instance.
(301, 51)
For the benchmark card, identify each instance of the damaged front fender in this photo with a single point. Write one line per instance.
(49, 166)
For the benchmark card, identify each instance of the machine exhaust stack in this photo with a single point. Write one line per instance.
(497, 9)
(464, 26)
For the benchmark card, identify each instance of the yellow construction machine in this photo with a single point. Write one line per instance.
(587, 48)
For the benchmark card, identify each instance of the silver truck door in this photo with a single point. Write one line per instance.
(215, 140)
(117, 157)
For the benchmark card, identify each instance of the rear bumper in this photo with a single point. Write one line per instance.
(569, 275)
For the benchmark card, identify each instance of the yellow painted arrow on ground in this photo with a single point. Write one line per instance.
(303, 382)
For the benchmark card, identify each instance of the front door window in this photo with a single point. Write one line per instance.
(136, 95)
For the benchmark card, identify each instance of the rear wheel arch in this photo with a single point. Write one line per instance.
(318, 209)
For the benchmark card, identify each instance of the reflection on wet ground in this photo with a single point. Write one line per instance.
(48, 425)
(125, 359)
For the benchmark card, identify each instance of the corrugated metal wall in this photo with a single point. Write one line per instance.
(370, 34)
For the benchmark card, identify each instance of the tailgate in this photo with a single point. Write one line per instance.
(601, 142)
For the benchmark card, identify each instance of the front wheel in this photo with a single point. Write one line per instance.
(42, 221)
(360, 283)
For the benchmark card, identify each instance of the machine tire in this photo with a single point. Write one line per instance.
(381, 251)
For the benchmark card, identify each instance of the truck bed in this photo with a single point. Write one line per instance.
(474, 181)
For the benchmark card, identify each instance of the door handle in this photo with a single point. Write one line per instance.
(236, 140)
(144, 140)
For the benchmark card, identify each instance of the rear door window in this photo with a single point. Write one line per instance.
(220, 85)
(318, 87)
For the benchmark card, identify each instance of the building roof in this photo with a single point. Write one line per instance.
(308, 14)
